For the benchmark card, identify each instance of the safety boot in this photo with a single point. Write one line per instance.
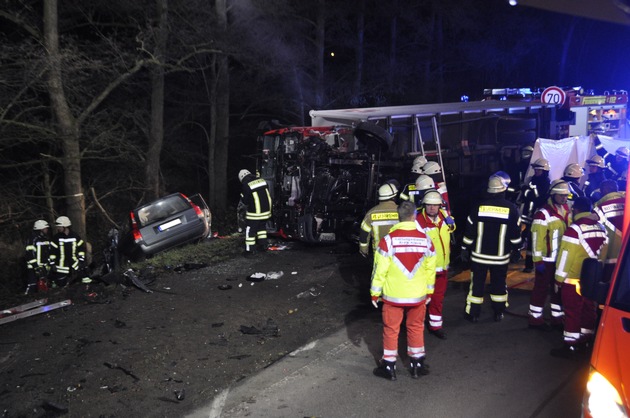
(387, 370)
(498, 316)
(418, 367)
(438, 333)
(569, 352)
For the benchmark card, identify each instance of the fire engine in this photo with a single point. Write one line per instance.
(323, 178)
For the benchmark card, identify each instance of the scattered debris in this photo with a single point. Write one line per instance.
(257, 277)
(133, 277)
(34, 311)
(22, 308)
(125, 371)
(250, 330)
(294, 272)
(180, 394)
(312, 292)
(225, 286)
(273, 275)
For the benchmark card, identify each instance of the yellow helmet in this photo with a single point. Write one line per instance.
(387, 191)
(432, 197)
(541, 164)
(496, 184)
(559, 187)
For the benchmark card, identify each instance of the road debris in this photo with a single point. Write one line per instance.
(34, 311)
(312, 292)
(274, 275)
(225, 286)
(257, 277)
(125, 371)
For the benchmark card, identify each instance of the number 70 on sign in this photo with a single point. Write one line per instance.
(553, 95)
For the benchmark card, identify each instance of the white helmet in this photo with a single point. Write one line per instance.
(387, 191)
(526, 152)
(242, 174)
(496, 184)
(63, 221)
(432, 197)
(596, 161)
(418, 163)
(505, 176)
(424, 182)
(541, 164)
(573, 171)
(559, 187)
(431, 168)
(622, 152)
(40, 225)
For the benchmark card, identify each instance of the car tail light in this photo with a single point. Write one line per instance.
(137, 237)
(197, 209)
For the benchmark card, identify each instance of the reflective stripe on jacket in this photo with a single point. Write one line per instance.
(256, 197)
(440, 234)
(377, 223)
(548, 226)
(404, 266)
(610, 210)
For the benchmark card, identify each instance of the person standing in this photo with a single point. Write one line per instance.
(492, 237)
(410, 190)
(37, 256)
(572, 174)
(68, 254)
(585, 238)
(595, 177)
(548, 226)
(434, 222)
(610, 210)
(257, 200)
(403, 278)
(378, 221)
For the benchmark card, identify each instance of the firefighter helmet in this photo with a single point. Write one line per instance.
(559, 187)
(526, 152)
(573, 171)
(63, 221)
(541, 164)
(622, 152)
(432, 197)
(387, 191)
(431, 168)
(596, 161)
(40, 225)
(496, 184)
(418, 163)
(242, 174)
(424, 182)
(505, 176)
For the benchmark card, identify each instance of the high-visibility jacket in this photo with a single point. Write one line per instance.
(67, 252)
(255, 195)
(440, 234)
(585, 238)
(38, 251)
(410, 193)
(404, 266)
(548, 226)
(610, 210)
(377, 223)
(492, 231)
(534, 195)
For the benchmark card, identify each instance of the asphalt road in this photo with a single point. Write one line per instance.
(487, 369)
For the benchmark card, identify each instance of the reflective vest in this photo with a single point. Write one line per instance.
(404, 266)
(377, 223)
(255, 195)
(585, 238)
(67, 251)
(610, 210)
(440, 234)
(38, 251)
(548, 226)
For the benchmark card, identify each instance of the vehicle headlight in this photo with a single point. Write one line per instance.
(602, 399)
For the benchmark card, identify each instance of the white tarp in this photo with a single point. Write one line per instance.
(563, 152)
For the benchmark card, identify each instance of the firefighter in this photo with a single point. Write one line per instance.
(434, 221)
(572, 174)
(422, 184)
(409, 192)
(585, 238)
(257, 200)
(610, 209)
(68, 254)
(548, 225)
(615, 163)
(523, 163)
(403, 278)
(596, 175)
(378, 220)
(491, 239)
(534, 194)
(38, 258)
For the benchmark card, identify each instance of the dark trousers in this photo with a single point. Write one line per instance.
(255, 232)
(498, 289)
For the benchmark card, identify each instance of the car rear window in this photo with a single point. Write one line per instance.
(162, 209)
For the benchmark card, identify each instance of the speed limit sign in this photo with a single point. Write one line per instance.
(553, 95)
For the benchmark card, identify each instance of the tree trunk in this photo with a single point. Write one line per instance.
(67, 128)
(156, 137)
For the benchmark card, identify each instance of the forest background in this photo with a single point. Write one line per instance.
(108, 104)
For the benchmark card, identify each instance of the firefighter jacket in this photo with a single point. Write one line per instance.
(610, 210)
(614, 167)
(440, 234)
(255, 195)
(574, 188)
(68, 251)
(591, 185)
(377, 223)
(404, 266)
(492, 231)
(533, 196)
(38, 252)
(548, 226)
(410, 193)
(585, 238)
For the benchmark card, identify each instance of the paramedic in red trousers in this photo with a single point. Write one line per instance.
(257, 199)
(37, 255)
(492, 237)
(610, 209)
(548, 226)
(585, 238)
(379, 220)
(403, 277)
(433, 221)
(68, 254)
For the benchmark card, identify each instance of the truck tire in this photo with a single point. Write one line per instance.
(374, 137)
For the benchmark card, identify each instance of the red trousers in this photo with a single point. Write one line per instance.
(580, 316)
(392, 318)
(544, 284)
(437, 298)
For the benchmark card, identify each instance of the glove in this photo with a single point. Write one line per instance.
(515, 256)
(540, 267)
(465, 256)
(449, 221)
(375, 300)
